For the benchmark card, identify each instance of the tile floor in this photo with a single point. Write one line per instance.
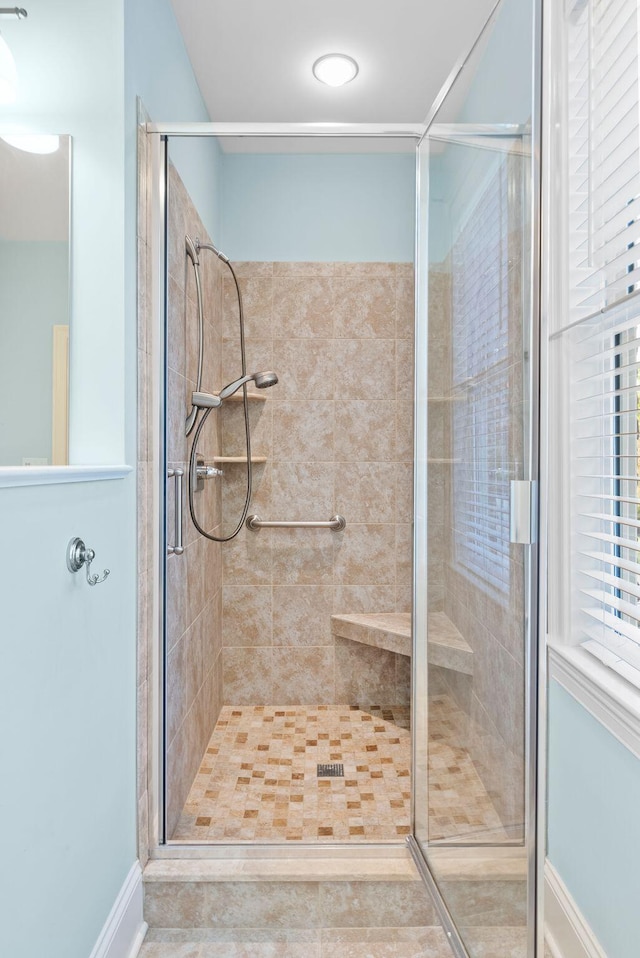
(459, 806)
(314, 943)
(258, 780)
(334, 943)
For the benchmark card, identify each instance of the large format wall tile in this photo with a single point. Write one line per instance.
(248, 676)
(303, 676)
(247, 615)
(364, 307)
(366, 491)
(305, 368)
(365, 555)
(303, 556)
(302, 615)
(302, 490)
(257, 293)
(365, 675)
(335, 429)
(303, 430)
(365, 369)
(194, 579)
(365, 431)
(303, 307)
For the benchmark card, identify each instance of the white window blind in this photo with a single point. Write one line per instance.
(603, 111)
(604, 259)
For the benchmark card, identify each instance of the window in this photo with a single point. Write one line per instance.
(602, 329)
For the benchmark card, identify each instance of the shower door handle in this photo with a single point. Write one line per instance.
(177, 549)
(523, 508)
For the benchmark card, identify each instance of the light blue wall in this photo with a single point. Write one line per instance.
(330, 207)
(28, 312)
(67, 710)
(593, 824)
(159, 72)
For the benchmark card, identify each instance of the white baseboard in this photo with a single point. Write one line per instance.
(566, 931)
(125, 928)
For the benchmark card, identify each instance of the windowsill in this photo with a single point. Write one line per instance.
(11, 476)
(614, 702)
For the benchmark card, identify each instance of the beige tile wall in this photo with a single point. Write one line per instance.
(194, 579)
(337, 432)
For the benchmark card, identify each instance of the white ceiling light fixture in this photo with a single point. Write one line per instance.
(335, 69)
(8, 71)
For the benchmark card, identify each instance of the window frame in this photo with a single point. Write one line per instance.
(608, 696)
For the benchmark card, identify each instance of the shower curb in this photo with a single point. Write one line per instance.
(272, 893)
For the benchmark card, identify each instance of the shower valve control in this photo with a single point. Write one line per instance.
(204, 471)
(208, 472)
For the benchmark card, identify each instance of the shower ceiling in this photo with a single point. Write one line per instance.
(253, 58)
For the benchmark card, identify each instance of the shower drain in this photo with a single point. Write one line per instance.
(332, 770)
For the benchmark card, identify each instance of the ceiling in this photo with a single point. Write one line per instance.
(253, 58)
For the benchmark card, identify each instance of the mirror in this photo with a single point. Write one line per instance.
(34, 300)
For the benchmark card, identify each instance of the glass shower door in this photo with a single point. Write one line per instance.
(475, 584)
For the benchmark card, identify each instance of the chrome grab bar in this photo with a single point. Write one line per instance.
(177, 549)
(336, 524)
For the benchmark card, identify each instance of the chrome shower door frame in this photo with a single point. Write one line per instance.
(535, 582)
(158, 135)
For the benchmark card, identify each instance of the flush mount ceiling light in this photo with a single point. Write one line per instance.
(33, 142)
(8, 72)
(335, 69)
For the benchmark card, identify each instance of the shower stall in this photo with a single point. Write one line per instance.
(287, 631)
(343, 647)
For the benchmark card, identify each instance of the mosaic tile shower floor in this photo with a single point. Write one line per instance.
(258, 779)
(459, 807)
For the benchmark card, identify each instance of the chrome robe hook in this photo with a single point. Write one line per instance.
(78, 555)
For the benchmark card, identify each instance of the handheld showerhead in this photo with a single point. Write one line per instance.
(262, 381)
(202, 400)
(192, 251)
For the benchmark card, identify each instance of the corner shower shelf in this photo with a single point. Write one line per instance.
(232, 459)
(392, 631)
(252, 397)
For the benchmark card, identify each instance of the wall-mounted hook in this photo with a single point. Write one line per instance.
(78, 555)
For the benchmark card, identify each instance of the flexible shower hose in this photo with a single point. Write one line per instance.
(245, 402)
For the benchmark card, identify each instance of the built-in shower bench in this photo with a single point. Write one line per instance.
(392, 631)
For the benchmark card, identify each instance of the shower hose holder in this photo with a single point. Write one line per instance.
(78, 556)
